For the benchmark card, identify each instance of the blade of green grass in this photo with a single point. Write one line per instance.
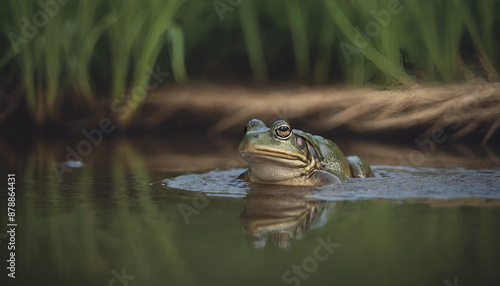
(176, 37)
(299, 37)
(250, 26)
(471, 25)
(394, 69)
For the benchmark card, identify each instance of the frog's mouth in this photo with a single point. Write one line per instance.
(276, 157)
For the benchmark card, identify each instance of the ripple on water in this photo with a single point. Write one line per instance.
(391, 182)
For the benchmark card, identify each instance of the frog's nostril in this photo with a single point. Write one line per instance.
(256, 135)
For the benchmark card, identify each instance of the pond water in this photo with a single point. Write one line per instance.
(167, 212)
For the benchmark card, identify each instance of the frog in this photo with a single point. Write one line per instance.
(284, 156)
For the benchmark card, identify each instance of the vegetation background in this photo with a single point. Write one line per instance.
(64, 61)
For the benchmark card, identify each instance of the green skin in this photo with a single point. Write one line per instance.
(281, 155)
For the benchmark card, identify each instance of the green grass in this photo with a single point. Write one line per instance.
(103, 51)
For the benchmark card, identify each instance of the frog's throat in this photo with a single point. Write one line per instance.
(269, 167)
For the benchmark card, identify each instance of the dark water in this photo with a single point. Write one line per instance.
(117, 221)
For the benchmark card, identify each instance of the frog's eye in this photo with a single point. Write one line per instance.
(283, 131)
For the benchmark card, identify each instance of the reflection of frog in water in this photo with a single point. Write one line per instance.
(280, 155)
(282, 213)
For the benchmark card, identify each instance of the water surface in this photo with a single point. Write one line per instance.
(164, 214)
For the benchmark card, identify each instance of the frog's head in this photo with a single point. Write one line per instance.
(277, 153)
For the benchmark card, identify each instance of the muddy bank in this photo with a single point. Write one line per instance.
(471, 109)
